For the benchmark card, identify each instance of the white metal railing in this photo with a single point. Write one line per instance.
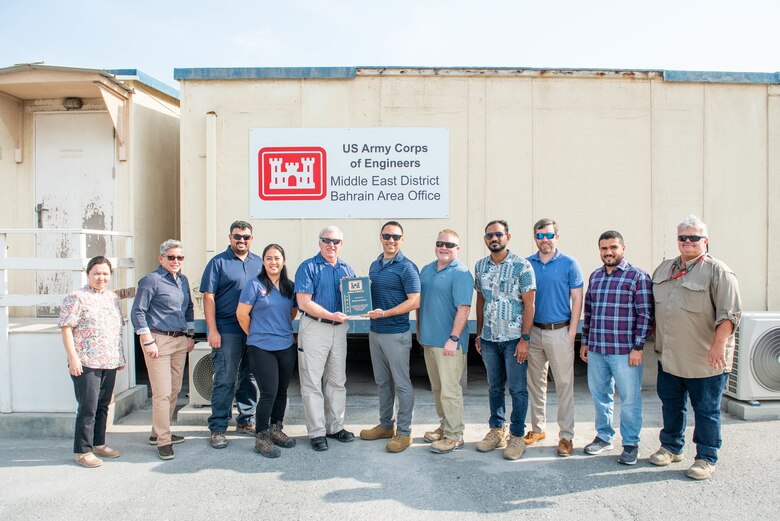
(74, 265)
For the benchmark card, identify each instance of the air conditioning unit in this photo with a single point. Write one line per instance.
(756, 372)
(201, 375)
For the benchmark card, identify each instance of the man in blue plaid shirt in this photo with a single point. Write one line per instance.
(618, 317)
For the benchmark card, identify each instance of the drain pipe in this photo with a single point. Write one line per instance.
(211, 183)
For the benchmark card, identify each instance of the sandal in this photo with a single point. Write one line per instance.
(88, 460)
(106, 451)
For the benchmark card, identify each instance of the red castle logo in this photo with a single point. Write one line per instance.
(292, 173)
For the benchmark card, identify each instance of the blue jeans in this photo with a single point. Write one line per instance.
(503, 370)
(232, 378)
(705, 394)
(605, 373)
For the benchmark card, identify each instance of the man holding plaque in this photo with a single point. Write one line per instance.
(395, 291)
(447, 288)
(322, 341)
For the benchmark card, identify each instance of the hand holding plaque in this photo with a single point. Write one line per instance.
(355, 296)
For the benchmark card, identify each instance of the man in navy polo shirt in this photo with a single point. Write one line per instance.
(322, 341)
(558, 307)
(395, 291)
(445, 302)
(225, 276)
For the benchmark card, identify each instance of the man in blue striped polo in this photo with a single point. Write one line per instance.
(395, 291)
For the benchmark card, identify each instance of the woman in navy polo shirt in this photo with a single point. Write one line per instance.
(265, 311)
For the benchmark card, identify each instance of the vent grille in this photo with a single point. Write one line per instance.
(203, 377)
(765, 360)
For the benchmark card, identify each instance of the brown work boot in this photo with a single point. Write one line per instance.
(399, 443)
(532, 437)
(446, 445)
(565, 447)
(514, 448)
(432, 436)
(218, 440)
(279, 438)
(494, 439)
(377, 433)
(264, 445)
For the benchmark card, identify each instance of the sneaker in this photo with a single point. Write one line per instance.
(432, 436)
(165, 452)
(265, 446)
(377, 433)
(597, 446)
(248, 430)
(106, 451)
(88, 460)
(565, 447)
(494, 439)
(445, 445)
(279, 438)
(630, 455)
(532, 437)
(218, 440)
(399, 443)
(700, 469)
(344, 436)
(514, 448)
(663, 457)
(174, 439)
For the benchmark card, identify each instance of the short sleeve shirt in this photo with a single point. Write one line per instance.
(391, 283)
(270, 325)
(442, 292)
(225, 276)
(502, 285)
(97, 323)
(554, 282)
(323, 281)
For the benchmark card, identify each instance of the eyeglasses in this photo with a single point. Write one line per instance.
(328, 240)
(548, 235)
(238, 237)
(172, 258)
(445, 244)
(497, 235)
(692, 238)
(388, 236)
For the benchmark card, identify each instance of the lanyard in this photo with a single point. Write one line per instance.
(686, 270)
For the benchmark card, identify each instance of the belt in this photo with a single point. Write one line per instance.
(323, 320)
(552, 326)
(169, 333)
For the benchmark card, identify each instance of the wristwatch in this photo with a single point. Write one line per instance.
(526, 337)
(454, 338)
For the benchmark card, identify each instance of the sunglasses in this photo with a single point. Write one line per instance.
(692, 238)
(238, 237)
(444, 244)
(388, 236)
(548, 235)
(328, 240)
(172, 258)
(497, 235)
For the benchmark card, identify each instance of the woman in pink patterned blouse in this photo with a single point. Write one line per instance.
(91, 323)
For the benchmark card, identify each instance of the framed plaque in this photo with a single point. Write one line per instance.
(356, 296)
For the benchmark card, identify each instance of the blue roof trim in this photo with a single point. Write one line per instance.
(772, 78)
(147, 80)
(265, 73)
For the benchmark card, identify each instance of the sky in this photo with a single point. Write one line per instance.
(158, 36)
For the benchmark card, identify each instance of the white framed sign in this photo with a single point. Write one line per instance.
(319, 173)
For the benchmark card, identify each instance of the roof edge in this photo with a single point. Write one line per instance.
(770, 78)
(267, 73)
(147, 80)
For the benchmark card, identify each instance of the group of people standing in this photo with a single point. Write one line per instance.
(528, 312)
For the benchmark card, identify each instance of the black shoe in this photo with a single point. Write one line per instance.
(319, 443)
(174, 439)
(165, 452)
(344, 436)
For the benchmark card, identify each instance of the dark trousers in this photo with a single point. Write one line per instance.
(272, 370)
(93, 394)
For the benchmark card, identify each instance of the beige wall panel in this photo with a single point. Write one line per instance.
(773, 199)
(678, 162)
(591, 163)
(735, 183)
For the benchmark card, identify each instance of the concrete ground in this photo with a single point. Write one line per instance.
(360, 481)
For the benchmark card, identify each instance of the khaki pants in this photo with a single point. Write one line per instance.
(322, 367)
(445, 373)
(165, 374)
(553, 349)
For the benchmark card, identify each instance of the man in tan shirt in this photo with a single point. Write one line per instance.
(697, 310)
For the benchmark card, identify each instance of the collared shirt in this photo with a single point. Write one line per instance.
(618, 310)
(688, 308)
(270, 322)
(96, 319)
(162, 303)
(503, 285)
(323, 281)
(225, 276)
(442, 292)
(554, 282)
(391, 283)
